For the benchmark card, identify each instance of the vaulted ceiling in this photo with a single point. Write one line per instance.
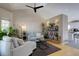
(50, 9)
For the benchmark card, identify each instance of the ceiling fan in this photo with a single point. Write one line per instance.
(35, 7)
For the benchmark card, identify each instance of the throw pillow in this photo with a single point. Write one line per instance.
(20, 41)
(15, 42)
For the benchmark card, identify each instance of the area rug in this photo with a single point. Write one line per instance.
(45, 50)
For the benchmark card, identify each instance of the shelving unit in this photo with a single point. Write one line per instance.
(59, 30)
(53, 31)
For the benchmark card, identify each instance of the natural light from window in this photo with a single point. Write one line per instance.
(5, 25)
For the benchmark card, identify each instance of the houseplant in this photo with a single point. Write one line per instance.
(2, 33)
(11, 31)
(4, 40)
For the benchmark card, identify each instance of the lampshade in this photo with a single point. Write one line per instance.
(23, 28)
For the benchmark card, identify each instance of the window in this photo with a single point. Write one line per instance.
(5, 25)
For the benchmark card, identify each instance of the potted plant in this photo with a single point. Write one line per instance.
(11, 31)
(5, 36)
(2, 33)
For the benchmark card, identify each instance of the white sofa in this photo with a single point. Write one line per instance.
(25, 49)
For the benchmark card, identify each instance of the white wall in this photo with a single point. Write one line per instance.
(6, 15)
(74, 25)
(31, 20)
(65, 28)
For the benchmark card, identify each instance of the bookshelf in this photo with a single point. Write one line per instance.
(53, 31)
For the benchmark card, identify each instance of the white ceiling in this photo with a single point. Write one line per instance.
(50, 10)
(17, 6)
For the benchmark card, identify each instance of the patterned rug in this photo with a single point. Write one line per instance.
(44, 50)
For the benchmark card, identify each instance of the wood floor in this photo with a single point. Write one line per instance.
(65, 50)
(55, 41)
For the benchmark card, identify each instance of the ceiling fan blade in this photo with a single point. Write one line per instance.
(39, 7)
(29, 6)
(34, 10)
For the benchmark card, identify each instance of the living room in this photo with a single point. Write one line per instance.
(43, 32)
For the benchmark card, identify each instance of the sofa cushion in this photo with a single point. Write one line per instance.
(25, 49)
(15, 42)
(20, 41)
